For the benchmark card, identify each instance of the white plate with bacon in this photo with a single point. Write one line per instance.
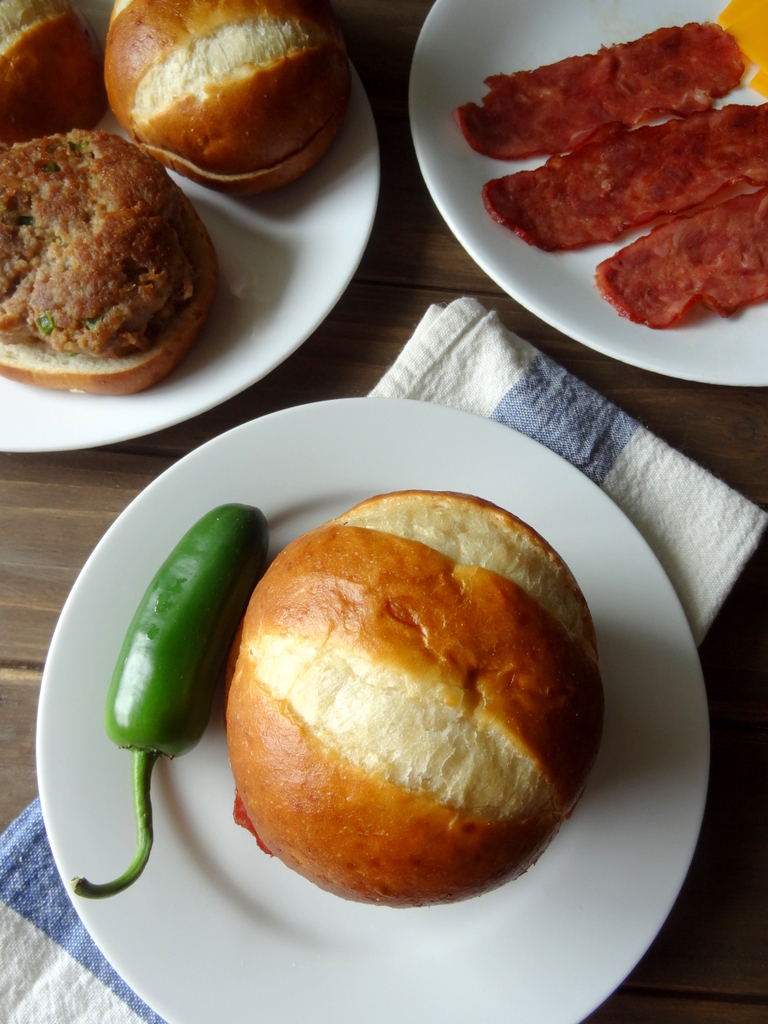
(462, 44)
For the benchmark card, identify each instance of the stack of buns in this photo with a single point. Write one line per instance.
(240, 95)
(415, 701)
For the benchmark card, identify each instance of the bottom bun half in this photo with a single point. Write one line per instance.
(414, 702)
(263, 179)
(38, 364)
(98, 228)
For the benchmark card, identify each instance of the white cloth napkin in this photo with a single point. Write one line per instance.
(702, 532)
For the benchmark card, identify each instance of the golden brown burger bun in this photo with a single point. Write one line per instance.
(51, 70)
(416, 702)
(240, 95)
(106, 271)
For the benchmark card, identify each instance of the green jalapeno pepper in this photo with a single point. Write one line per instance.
(160, 697)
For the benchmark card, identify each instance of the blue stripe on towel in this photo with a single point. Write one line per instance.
(30, 885)
(554, 407)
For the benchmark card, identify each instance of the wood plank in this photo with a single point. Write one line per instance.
(715, 940)
(381, 36)
(410, 244)
(734, 655)
(61, 537)
(29, 631)
(41, 554)
(629, 1007)
(60, 474)
(19, 690)
(54, 509)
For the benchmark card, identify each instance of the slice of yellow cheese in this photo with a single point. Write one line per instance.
(747, 22)
(735, 9)
(760, 82)
(749, 28)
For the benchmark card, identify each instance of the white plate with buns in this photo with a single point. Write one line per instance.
(216, 930)
(463, 42)
(284, 259)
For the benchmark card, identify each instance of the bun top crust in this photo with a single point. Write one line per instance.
(229, 88)
(475, 532)
(17, 17)
(474, 636)
(51, 70)
(414, 701)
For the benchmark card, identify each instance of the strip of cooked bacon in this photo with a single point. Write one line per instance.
(717, 257)
(556, 107)
(624, 177)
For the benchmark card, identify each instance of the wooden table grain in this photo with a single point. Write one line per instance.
(710, 961)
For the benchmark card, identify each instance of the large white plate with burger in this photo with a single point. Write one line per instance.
(214, 929)
(463, 43)
(284, 258)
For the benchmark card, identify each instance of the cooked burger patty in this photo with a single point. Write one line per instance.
(92, 245)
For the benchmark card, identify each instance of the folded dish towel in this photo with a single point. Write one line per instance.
(50, 967)
(701, 530)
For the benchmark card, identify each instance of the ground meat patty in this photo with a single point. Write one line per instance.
(622, 177)
(92, 245)
(717, 257)
(554, 108)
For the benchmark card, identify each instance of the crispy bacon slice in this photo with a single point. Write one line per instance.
(717, 257)
(556, 107)
(622, 177)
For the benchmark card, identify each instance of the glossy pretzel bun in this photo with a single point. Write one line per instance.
(416, 702)
(51, 70)
(240, 95)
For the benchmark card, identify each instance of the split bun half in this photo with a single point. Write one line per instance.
(107, 272)
(416, 702)
(51, 70)
(240, 95)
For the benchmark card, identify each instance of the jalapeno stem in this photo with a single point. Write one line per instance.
(142, 763)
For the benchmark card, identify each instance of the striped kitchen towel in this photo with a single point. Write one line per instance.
(51, 971)
(701, 530)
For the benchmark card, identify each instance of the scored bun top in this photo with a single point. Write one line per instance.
(51, 70)
(430, 662)
(243, 95)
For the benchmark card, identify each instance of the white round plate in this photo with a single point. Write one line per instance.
(462, 42)
(284, 261)
(214, 930)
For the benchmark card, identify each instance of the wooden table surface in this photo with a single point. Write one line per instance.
(710, 961)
